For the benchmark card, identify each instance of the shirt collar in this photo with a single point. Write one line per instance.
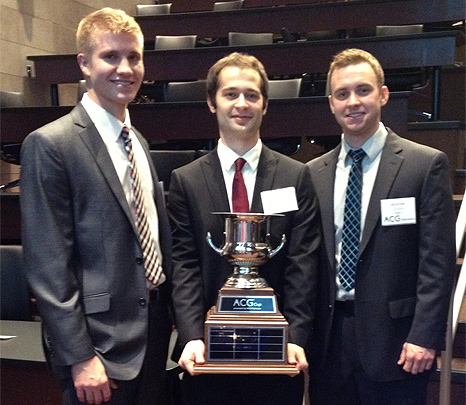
(107, 124)
(373, 146)
(228, 157)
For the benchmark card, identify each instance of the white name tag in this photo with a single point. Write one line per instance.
(279, 200)
(398, 211)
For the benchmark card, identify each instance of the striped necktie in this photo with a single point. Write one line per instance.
(351, 222)
(149, 251)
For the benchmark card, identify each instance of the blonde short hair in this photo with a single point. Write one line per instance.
(106, 19)
(355, 56)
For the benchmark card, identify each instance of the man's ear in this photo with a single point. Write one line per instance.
(212, 105)
(385, 95)
(330, 102)
(83, 63)
(264, 110)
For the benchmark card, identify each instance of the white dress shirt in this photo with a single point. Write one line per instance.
(227, 160)
(370, 165)
(109, 128)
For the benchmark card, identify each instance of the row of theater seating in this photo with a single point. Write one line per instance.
(157, 9)
(165, 42)
(195, 90)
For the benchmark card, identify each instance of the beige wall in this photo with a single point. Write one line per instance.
(43, 27)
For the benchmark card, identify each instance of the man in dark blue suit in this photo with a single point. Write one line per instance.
(380, 322)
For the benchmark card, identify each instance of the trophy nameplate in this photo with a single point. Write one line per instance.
(245, 333)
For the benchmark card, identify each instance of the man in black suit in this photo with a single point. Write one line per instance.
(382, 307)
(106, 325)
(237, 89)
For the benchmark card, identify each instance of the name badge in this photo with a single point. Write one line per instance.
(279, 200)
(398, 211)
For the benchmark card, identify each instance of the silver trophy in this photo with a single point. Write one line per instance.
(245, 333)
(244, 248)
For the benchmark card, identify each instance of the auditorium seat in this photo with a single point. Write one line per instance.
(186, 91)
(10, 152)
(165, 161)
(286, 88)
(11, 99)
(153, 9)
(228, 5)
(82, 88)
(15, 302)
(385, 30)
(250, 38)
(175, 41)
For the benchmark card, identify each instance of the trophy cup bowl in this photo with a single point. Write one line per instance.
(244, 247)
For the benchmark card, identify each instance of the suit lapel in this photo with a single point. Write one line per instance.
(264, 179)
(94, 143)
(158, 189)
(214, 182)
(390, 163)
(324, 188)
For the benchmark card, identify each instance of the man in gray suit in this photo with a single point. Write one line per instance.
(237, 89)
(106, 325)
(382, 302)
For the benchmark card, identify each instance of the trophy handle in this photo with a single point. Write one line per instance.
(209, 241)
(272, 253)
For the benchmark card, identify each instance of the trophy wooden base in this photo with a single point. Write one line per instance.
(246, 334)
(229, 368)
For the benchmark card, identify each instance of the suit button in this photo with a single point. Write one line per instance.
(139, 261)
(142, 302)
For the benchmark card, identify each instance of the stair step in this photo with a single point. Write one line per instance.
(462, 314)
(457, 200)
(461, 328)
(458, 370)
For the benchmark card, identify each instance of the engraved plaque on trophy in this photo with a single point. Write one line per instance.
(245, 333)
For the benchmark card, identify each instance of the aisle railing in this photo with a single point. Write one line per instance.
(455, 307)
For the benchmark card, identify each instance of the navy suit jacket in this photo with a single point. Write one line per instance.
(405, 273)
(82, 255)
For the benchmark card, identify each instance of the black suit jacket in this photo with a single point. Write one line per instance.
(82, 255)
(197, 190)
(405, 273)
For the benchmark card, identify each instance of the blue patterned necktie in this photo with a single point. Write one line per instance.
(149, 251)
(351, 222)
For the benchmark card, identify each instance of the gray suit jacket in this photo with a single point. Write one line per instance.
(405, 273)
(82, 255)
(197, 190)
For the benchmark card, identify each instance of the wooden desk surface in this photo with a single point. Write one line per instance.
(304, 17)
(393, 52)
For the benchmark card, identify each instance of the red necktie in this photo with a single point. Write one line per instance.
(239, 195)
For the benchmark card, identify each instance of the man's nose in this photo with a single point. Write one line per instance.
(241, 100)
(124, 65)
(353, 98)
